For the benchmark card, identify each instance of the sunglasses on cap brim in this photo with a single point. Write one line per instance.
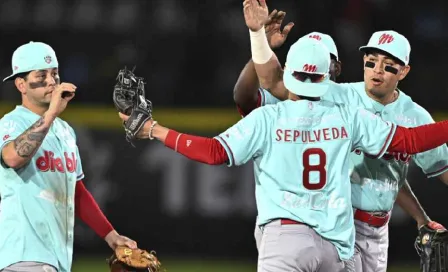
(303, 77)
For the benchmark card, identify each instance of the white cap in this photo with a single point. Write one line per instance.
(307, 56)
(391, 42)
(325, 39)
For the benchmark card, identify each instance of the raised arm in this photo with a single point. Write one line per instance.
(267, 65)
(246, 92)
(235, 146)
(18, 152)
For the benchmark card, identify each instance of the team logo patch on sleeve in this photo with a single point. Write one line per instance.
(7, 129)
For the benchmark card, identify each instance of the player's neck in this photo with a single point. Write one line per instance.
(39, 110)
(385, 99)
(295, 97)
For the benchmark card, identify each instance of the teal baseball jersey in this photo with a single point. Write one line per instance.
(37, 209)
(375, 183)
(267, 98)
(301, 152)
(343, 95)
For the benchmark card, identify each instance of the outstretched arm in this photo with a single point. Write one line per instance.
(375, 136)
(235, 146)
(419, 139)
(208, 150)
(197, 148)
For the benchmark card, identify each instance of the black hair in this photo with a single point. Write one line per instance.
(23, 75)
(302, 97)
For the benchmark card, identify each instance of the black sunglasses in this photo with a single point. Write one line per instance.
(314, 78)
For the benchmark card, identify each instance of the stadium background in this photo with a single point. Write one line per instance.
(198, 217)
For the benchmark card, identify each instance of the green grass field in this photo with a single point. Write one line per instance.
(95, 265)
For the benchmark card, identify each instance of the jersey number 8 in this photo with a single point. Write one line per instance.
(307, 169)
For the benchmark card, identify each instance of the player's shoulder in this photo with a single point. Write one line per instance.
(17, 115)
(357, 87)
(353, 85)
(65, 126)
(265, 112)
(348, 111)
(282, 108)
(266, 97)
(348, 93)
(306, 108)
(410, 113)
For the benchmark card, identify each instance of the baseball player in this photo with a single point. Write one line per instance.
(248, 95)
(301, 148)
(41, 171)
(375, 182)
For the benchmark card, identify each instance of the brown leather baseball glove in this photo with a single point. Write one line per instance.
(126, 259)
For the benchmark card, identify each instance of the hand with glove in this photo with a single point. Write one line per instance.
(431, 245)
(125, 259)
(129, 99)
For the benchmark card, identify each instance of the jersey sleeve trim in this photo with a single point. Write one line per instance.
(3, 164)
(260, 102)
(228, 150)
(80, 177)
(387, 142)
(261, 97)
(438, 172)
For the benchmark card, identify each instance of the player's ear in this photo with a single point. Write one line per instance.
(20, 85)
(337, 68)
(404, 72)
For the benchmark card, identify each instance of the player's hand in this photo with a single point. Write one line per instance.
(114, 239)
(277, 37)
(435, 226)
(61, 95)
(255, 14)
(144, 131)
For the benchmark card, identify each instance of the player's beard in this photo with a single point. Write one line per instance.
(380, 92)
(43, 103)
(38, 99)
